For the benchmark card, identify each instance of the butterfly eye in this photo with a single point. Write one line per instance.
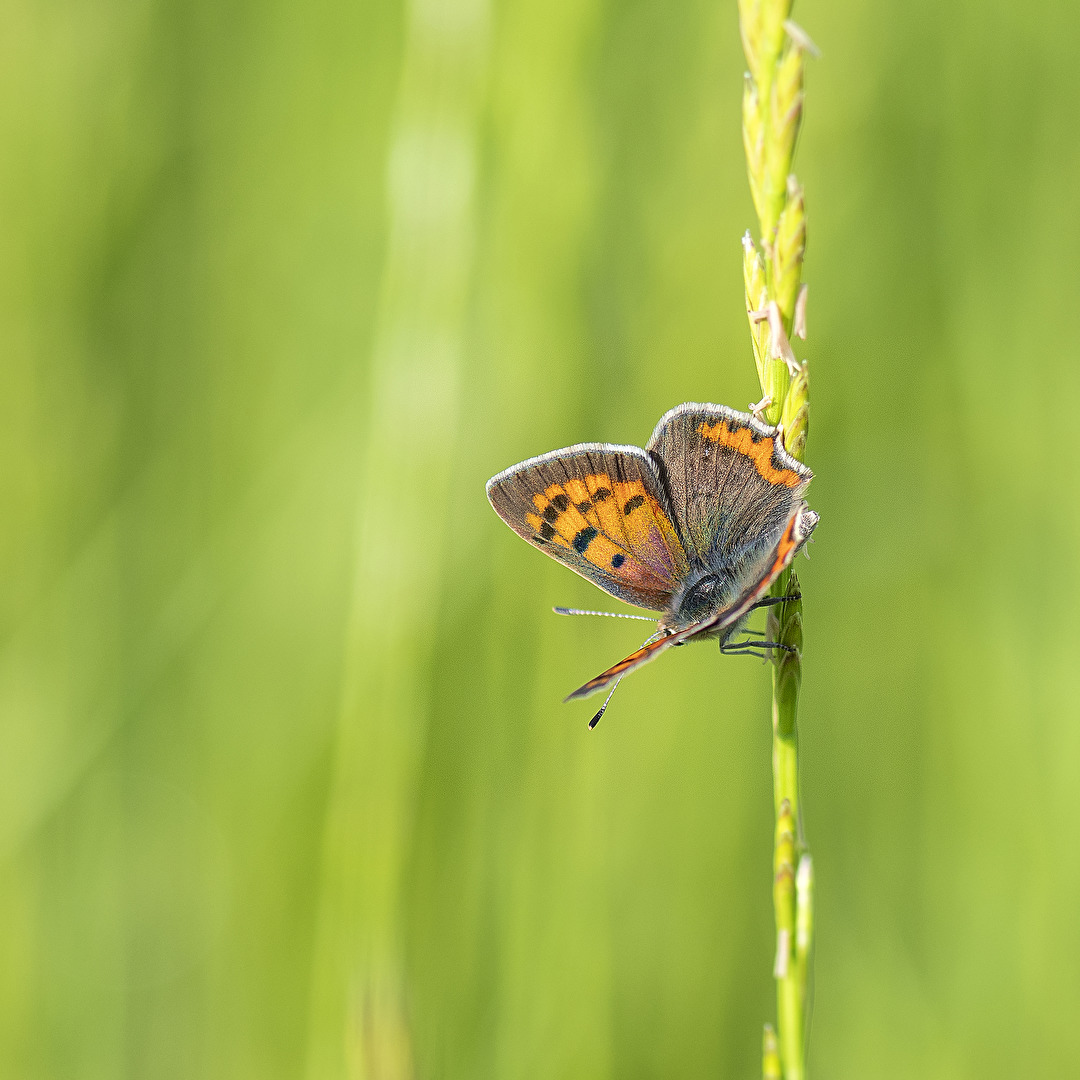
(701, 598)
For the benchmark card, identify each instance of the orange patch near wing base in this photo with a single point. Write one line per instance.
(741, 439)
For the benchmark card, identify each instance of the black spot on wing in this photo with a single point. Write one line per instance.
(546, 531)
(600, 494)
(583, 539)
(618, 559)
(556, 507)
(584, 507)
(633, 504)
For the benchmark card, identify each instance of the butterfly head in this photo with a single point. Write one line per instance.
(704, 594)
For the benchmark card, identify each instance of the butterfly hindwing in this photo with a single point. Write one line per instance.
(730, 481)
(602, 511)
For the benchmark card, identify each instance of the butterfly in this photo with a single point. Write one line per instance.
(697, 526)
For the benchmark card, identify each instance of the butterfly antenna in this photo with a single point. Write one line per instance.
(609, 614)
(603, 708)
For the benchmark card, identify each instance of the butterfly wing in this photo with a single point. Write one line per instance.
(732, 485)
(634, 660)
(602, 511)
(796, 532)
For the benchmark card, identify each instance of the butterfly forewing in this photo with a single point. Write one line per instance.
(731, 483)
(602, 511)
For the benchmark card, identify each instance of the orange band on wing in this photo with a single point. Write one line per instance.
(741, 439)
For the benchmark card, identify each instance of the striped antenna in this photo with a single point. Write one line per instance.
(609, 614)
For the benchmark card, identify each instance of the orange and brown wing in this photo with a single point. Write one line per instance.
(731, 483)
(602, 511)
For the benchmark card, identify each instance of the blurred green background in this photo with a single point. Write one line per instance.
(286, 787)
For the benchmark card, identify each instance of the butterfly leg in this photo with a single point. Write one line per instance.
(751, 645)
(755, 643)
(770, 601)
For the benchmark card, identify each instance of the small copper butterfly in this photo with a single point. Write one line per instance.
(698, 525)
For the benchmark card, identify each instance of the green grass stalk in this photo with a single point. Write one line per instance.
(775, 51)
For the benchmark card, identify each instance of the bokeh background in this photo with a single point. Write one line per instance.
(286, 787)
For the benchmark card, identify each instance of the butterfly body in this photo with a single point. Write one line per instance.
(696, 526)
